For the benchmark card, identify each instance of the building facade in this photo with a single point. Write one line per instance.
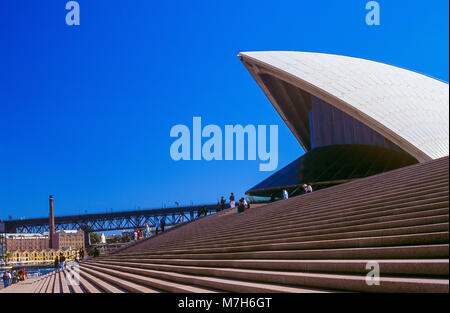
(26, 242)
(70, 239)
(63, 239)
(47, 255)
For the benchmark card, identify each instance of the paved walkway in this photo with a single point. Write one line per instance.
(21, 287)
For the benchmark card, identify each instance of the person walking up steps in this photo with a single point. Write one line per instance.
(307, 188)
(163, 223)
(62, 261)
(56, 263)
(138, 233)
(157, 227)
(232, 203)
(285, 194)
(222, 203)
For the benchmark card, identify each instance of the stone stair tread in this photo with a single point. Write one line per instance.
(46, 284)
(104, 285)
(64, 287)
(51, 283)
(86, 284)
(347, 242)
(40, 284)
(124, 284)
(71, 282)
(181, 287)
(327, 233)
(427, 266)
(366, 222)
(261, 287)
(312, 253)
(260, 273)
(57, 284)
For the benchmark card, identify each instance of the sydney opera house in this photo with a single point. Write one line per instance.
(353, 117)
(386, 230)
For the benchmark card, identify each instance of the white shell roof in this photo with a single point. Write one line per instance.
(410, 109)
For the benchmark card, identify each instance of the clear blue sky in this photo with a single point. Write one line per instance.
(86, 111)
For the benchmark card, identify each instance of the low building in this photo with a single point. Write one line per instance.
(30, 256)
(70, 239)
(16, 242)
(64, 239)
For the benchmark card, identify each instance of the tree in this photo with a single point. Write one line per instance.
(95, 238)
(114, 239)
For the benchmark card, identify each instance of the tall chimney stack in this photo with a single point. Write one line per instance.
(51, 230)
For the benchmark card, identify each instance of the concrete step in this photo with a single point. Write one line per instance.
(72, 282)
(417, 267)
(263, 242)
(435, 251)
(57, 284)
(51, 284)
(361, 198)
(257, 220)
(398, 180)
(372, 186)
(309, 203)
(88, 286)
(424, 224)
(46, 284)
(84, 283)
(347, 211)
(375, 215)
(383, 197)
(128, 278)
(323, 226)
(208, 282)
(101, 284)
(294, 279)
(37, 285)
(118, 282)
(335, 205)
(380, 241)
(64, 286)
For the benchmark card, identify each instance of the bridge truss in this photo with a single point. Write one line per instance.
(110, 221)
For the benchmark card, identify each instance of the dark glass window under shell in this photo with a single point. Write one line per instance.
(329, 165)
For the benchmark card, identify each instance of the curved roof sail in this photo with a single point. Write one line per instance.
(409, 109)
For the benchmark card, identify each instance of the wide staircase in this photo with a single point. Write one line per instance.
(325, 241)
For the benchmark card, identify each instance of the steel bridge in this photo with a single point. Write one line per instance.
(111, 221)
